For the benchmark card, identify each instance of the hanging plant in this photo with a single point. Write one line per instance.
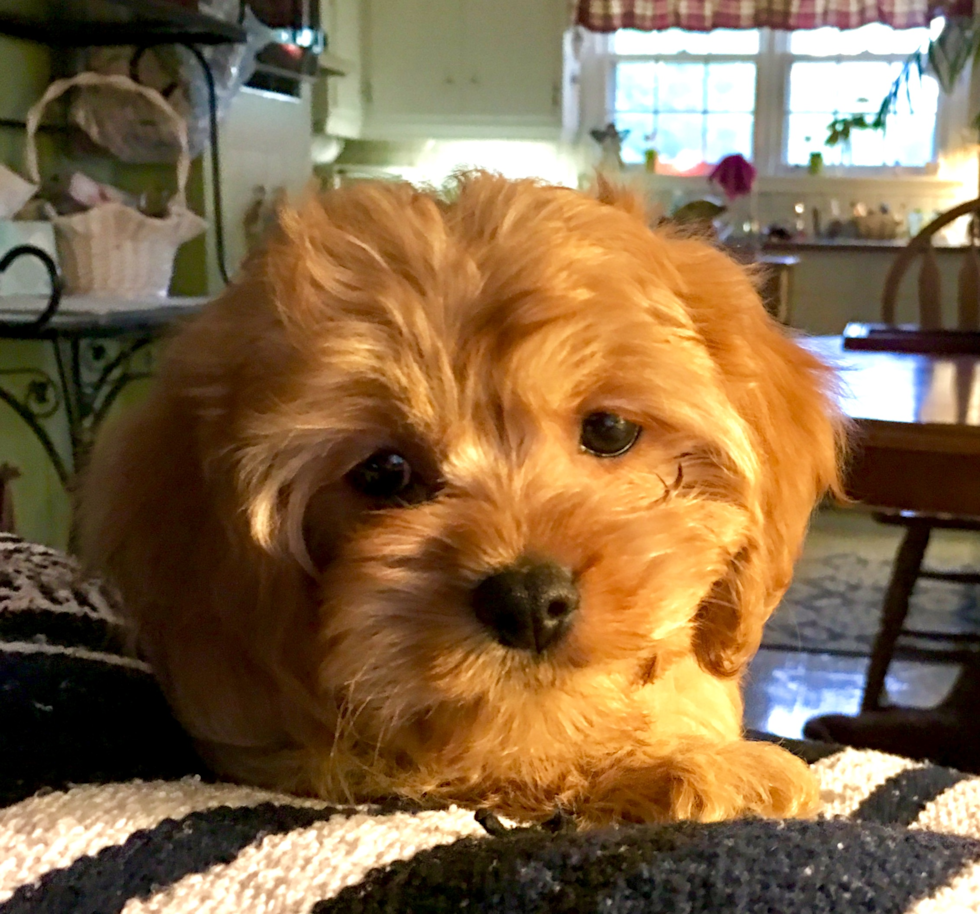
(839, 129)
(954, 51)
(946, 57)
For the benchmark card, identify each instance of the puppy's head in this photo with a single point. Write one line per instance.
(520, 448)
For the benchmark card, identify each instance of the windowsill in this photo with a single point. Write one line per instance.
(826, 181)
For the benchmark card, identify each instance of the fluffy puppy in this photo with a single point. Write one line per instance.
(481, 498)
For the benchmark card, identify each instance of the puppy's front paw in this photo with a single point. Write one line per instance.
(742, 778)
(707, 785)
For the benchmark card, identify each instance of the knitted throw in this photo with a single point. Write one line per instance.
(106, 808)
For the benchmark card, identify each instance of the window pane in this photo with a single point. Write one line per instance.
(731, 87)
(719, 41)
(635, 84)
(856, 87)
(908, 141)
(726, 134)
(681, 86)
(805, 134)
(677, 41)
(733, 41)
(812, 87)
(815, 42)
(679, 140)
(630, 41)
(675, 105)
(867, 148)
(862, 85)
(639, 139)
(849, 87)
(873, 39)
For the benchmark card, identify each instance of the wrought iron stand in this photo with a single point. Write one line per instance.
(96, 355)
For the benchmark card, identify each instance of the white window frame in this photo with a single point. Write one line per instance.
(597, 87)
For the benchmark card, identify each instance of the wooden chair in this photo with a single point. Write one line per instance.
(930, 293)
(918, 527)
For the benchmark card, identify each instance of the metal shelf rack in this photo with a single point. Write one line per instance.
(92, 23)
(95, 355)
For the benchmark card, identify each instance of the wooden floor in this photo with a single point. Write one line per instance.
(784, 689)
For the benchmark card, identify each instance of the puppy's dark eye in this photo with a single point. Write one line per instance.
(608, 435)
(385, 475)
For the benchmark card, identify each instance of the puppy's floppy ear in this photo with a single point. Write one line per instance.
(784, 395)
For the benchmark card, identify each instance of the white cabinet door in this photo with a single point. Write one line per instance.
(512, 61)
(412, 53)
(463, 68)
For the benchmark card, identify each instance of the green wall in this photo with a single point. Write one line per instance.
(39, 498)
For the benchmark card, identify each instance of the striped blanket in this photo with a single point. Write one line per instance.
(106, 808)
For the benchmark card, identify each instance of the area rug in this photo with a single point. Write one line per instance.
(834, 604)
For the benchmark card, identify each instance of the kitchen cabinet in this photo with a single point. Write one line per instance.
(463, 68)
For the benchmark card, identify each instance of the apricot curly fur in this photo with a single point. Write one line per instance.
(313, 639)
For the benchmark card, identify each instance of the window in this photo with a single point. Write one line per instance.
(834, 74)
(695, 97)
(689, 95)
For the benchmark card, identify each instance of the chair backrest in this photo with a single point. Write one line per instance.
(930, 292)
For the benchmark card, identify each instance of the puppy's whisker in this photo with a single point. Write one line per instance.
(668, 491)
(350, 709)
(678, 479)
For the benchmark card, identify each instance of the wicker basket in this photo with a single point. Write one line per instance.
(114, 250)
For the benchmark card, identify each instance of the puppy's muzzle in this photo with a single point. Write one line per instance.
(528, 605)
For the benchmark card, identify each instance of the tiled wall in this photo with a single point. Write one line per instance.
(40, 502)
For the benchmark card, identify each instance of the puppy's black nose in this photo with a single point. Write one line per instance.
(527, 605)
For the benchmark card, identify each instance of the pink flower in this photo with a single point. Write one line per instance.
(734, 175)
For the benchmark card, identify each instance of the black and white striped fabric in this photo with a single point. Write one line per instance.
(104, 809)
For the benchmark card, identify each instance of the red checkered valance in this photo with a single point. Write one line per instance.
(704, 15)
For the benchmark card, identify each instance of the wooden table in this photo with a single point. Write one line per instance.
(917, 427)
